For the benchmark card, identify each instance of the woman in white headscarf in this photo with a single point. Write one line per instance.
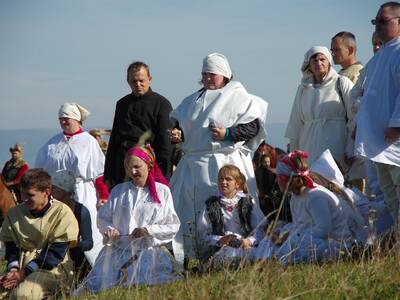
(77, 151)
(219, 124)
(321, 109)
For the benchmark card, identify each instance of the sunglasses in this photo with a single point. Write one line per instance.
(381, 21)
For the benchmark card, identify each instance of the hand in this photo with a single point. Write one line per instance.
(392, 134)
(225, 240)
(175, 135)
(13, 278)
(111, 233)
(139, 233)
(218, 133)
(246, 244)
(100, 203)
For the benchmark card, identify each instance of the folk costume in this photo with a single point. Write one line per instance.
(222, 216)
(195, 177)
(127, 262)
(320, 112)
(79, 153)
(39, 242)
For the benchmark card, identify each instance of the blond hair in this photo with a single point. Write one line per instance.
(237, 175)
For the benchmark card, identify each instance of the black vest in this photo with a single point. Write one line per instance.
(215, 215)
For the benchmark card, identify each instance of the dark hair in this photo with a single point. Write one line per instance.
(136, 66)
(36, 178)
(391, 4)
(348, 38)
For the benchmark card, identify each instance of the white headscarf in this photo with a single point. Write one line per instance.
(314, 50)
(217, 63)
(326, 166)
(64, 180)
(73, 111)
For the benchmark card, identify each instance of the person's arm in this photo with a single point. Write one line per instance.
(101, 189)
(85, 231)
(392, 132)
(295, 123)
(243, 132)
(48, 258)
(109, 164)
(205, 230)
(12, 255)
(20, 173)
(162, 142)
(322, 219)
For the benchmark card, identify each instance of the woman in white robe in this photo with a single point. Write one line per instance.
(210, 124)
(321, 109)
(320, 225)
(137, 221)
(359, 207)
(77, 151)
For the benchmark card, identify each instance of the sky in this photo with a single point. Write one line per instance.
(58, 51)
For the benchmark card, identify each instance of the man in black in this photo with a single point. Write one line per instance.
(136, 113)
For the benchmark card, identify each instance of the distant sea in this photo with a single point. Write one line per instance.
(33, 139)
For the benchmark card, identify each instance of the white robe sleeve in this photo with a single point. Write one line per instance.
(295, 124)
(167, 223)
(105, 214)
(321, 215)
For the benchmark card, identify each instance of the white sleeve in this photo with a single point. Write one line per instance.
(295, 123)
(105, 214)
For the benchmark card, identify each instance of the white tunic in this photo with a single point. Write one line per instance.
(195, 178)
(81, 154)
(131, 207)
(380, 106)
(318, 118)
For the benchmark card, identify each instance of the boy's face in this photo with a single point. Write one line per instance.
(34, 199)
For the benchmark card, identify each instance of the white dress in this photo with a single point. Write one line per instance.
(320, 228)
(81, 154)
(142, 261)
(318, 118)
(195, 178)
(232, 225)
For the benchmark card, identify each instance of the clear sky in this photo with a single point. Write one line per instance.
(56, 51)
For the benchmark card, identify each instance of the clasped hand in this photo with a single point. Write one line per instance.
(12, 279)
(232, 241)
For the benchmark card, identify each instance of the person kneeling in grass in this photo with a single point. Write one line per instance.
(37, 235)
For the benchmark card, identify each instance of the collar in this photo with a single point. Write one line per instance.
(393, 41)
(70, 135)
(149, 91)
(39, 214)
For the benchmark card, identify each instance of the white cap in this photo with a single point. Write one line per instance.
(326, 166)
(73, 111)
(217, 63)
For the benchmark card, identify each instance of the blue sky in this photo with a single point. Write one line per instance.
(78, 50)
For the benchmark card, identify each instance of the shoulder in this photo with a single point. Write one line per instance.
(213, 199)
(55, 139)
(124, 100)
(60, 207)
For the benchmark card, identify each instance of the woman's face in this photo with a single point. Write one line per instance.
(227, 185)
(212, 81)
(68, 125)
(137, 170)
(296, 185)
(319, 65)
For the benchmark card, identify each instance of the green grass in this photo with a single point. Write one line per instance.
(377, 278)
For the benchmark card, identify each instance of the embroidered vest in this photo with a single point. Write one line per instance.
(11, 169)
(215, 215)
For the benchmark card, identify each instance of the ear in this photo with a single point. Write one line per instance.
(351, 50)
(150, 78)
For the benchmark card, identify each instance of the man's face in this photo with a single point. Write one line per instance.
(387, 24)
(15, 155)
(340, 52)
(139, 81)
(34, 199)
(266, 162)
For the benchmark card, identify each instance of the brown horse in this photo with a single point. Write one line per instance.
(6, 199)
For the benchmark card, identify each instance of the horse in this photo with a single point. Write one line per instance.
(7, 199)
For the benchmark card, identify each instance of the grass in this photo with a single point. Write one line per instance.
(377, 278)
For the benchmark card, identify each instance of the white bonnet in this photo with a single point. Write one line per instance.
(64, 179)
(217, 63)
(314, 50)
(73, 111)
(326, 166)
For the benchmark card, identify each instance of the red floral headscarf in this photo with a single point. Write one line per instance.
(146, 153)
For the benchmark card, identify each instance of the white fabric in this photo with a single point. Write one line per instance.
(231, 221)
(326, 166)
(318, 118)
(64, 179)
(217, 63)
(131, 207)
(73, 111)
(380, 106)
(195, 178)
(81, 154)
(319, 229)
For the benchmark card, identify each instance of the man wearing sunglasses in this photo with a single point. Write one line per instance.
(378, 120)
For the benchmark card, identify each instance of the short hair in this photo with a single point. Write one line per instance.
(36, 178)
(394, 6)
(348, 38)
(136, 66)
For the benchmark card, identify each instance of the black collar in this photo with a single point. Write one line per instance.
(39, 214)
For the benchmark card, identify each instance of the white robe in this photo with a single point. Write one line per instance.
(195, 178)
(81, 154)
(320, 228)
(318, 118)
(131, 207)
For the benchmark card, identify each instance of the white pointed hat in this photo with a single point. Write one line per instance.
(326, 166)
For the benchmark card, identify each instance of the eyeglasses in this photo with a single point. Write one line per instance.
(381, 21)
